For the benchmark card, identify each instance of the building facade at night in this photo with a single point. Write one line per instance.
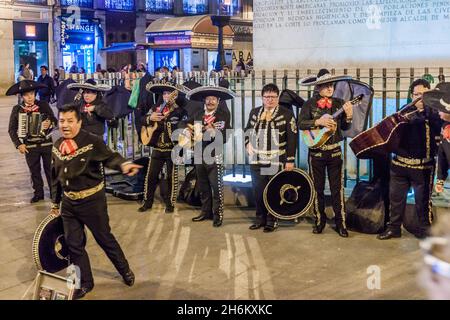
(103, 33)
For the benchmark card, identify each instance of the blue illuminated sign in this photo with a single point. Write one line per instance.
(125, 5)
(159, 6)
(195, 6)
(78, 3)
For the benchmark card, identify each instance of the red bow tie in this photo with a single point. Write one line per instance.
(446, 132)
(208, 118)
(33, 108)
(324, 103)
(68, 146)
(86, 106)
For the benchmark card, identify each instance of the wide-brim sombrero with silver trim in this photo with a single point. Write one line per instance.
(89, 86)
(161, 87)
(439, 97)
(50, 252)
(289, 194)
(324, 76)
(200, 94)
(24, 86)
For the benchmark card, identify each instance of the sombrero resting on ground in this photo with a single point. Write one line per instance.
(289, 194)
(90, 84)
(24, 86)
(323, 76)
(199, 94)
(439, 97)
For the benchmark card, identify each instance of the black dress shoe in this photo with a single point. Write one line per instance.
(342, 231)
(80, 293)
(217, 222)
(200, 218)
(256, 226)
(388, 234)
(145, 206)
(128, 278)
(36, 199)
(269, 229)
(318, 228)
(169, 209)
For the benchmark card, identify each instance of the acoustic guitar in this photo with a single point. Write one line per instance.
(384, 137)
(315, 138)
(150, 133)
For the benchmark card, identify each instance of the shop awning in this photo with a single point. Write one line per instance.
(190, 24)
(125, 46)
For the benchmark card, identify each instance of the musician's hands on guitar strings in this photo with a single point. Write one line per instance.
(326, 121)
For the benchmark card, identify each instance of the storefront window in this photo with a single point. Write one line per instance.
(167, 58)
(159, 6)
(83, 54)
(229, 7)
(195, 6)
(78, 3)
(125, 5)
(41, 2)
(33, 52)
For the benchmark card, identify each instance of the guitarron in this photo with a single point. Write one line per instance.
(384, 137)
(315, 138)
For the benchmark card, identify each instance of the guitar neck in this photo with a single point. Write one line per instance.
(354, 101)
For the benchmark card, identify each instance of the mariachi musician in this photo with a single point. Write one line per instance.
(164, 118)
(413, 165)
(94, 111)
(271, 142)
(208, 129)
(29, 126)
(316, 113)
(78, 194)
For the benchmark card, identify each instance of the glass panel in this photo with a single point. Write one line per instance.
(229, 7)
(33, 52)
(41, 2)
(82, 54)
(195, 6)
(78, 3)
(167, 58)
(159, 6)
(125, 5)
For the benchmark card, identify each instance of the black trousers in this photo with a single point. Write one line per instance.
(33, 158)
(210, 182)
(328, 162)
(259, 181)
(91, 212)
(421, 180)
(155, 167)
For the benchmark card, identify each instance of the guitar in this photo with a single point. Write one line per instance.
(150, 133)
(384, 137)
(196, 135)
(315, 138)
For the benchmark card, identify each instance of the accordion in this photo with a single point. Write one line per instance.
(30, 126)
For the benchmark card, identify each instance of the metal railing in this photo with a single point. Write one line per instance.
(391, 91)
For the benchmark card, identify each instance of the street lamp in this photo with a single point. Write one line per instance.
(220, 21)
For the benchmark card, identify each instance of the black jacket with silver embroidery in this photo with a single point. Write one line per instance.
(44, 108)
(221, 123)
(82, 169)
(274, 141)
(310, 112)
(94, 121)
(170, 124)
(443, 157)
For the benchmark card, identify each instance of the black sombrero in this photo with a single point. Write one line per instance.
(323, 76)
(90, 84)
(289, 194)
(50, 252)
(161, 87)
(24, 86)
(439, 97)
(199, 94)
